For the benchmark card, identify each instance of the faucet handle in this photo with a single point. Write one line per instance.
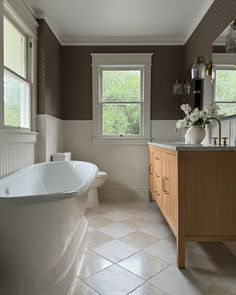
(224, 140)
(215, 140)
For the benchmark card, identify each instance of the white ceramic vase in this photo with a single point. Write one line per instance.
(195, 134)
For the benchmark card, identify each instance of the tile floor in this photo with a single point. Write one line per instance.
(131, 250)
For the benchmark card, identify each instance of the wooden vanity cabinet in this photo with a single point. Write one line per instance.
(196, 192)
(163, 183)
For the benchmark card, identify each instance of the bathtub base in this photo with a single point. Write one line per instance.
(57, 280)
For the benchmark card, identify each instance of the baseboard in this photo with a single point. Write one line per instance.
(231, 246)
(120, 192)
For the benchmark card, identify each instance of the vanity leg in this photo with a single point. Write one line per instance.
(150, 196)
(180, 253)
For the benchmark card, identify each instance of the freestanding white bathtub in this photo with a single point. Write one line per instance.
(42, 227)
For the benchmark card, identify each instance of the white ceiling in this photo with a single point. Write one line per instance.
(147, 21)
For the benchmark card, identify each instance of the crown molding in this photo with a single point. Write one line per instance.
(40, 14)
(120, 41)
(197, 21)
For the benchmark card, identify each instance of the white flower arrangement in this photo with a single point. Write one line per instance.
(196, 116)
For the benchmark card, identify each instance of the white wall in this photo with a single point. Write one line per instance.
(50, 139)
(126, 165)
(14, 156)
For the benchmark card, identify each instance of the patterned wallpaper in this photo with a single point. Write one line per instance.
(218, 17)
(49, 72)
(70, 96)
(77, 79)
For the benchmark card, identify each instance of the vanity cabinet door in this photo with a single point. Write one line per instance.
(165, 183)
(157, 166)
(151, 177)
(169, 189)
(173, 205)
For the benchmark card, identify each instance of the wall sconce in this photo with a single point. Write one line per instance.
(231, 38)
(181, 87)
(201, 69)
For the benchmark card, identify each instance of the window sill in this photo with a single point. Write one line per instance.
(120, 141)
(8, 135)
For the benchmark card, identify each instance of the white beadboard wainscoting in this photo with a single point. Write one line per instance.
(228, 130)
(14, 156)
(126, 165)
(50, 139)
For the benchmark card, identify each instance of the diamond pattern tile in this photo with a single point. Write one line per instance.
(131, 250)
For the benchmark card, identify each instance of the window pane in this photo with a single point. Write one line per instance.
(121, 85)
(121, 119)
(16, 102)
(225, 85)
(227, 109)
(14, 49)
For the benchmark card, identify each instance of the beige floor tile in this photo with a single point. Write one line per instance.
(139, 240)
(152, 215)
(117, 215)
(177, 282)
(90, 229)
(216, 290)
(136, 222)
(96, 238)
(80, 288)
(215, 251)
(227, 280)
(133, 211)
(117, 230)
(211, 268)
(114, 280)
(203, 268)
(99, 221)
(159, 229)
(164, 250)
(91, 263)
(115, 250)
(143, 265)
(147, 289)
(100, 210)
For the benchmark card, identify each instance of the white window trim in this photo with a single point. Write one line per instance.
(139, 60)
(17, 12)
(222, 67)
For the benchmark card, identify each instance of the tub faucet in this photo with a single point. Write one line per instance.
(219, 123)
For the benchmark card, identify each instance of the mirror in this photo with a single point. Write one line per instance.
(224, 89)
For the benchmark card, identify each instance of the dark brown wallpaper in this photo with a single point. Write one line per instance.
(65, 74)
(49, 72)
(218, 17)
(77, 79)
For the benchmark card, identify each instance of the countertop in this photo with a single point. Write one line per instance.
(181, 146)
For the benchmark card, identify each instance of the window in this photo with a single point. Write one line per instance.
(225, 90)
(121, 95)
(16, 77)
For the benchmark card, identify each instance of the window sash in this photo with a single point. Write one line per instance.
(122, 135)
(26, 61)
(26, 80)
(140, 102)
(27, 108)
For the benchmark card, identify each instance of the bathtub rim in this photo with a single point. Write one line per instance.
(50, 197)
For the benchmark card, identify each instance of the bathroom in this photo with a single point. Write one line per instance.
(66, 43)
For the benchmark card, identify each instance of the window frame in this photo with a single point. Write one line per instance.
(20, 16)
(140, 102)
(222, 67)
(26, 79)
(122, 61)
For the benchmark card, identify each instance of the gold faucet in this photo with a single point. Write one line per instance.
(219, 123)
